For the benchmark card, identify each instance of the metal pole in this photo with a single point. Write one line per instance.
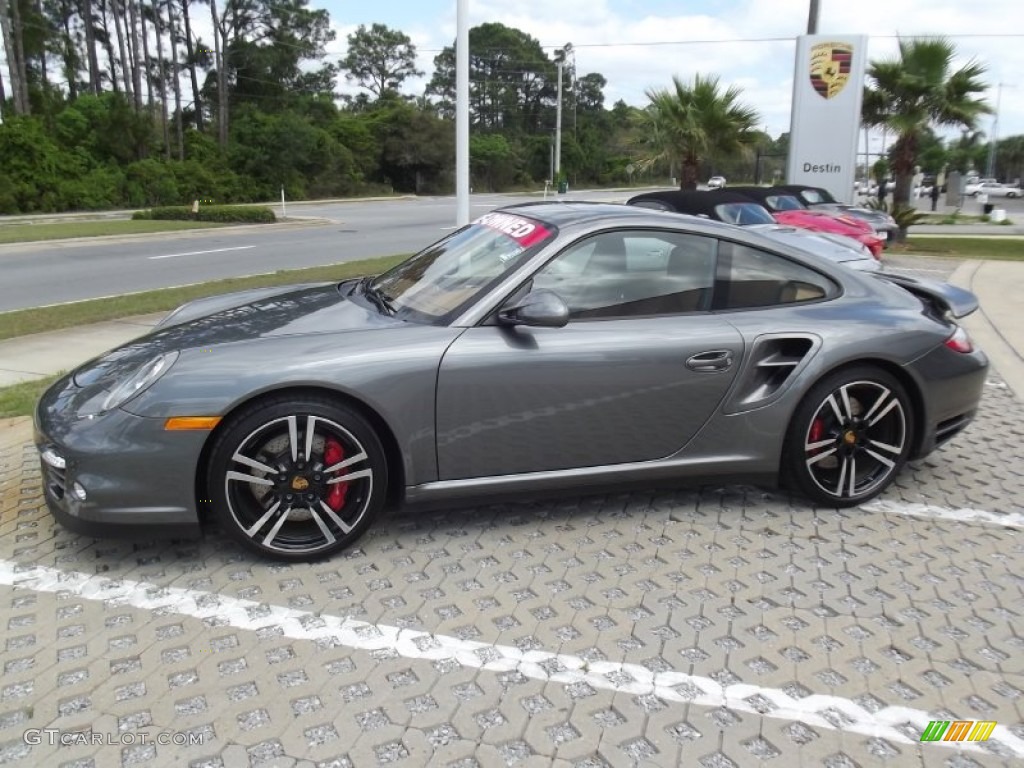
(284, 210)
(991, 165)
(558, 126)
(462, 113)
(812, 18)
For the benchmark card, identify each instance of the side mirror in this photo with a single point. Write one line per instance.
(541, 308)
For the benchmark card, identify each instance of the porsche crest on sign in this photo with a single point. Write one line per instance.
(830, 68)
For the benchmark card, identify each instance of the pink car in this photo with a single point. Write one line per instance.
(822, 221)
(788, 209)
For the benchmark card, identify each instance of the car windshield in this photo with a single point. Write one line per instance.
(743, 214)
(437, 283)
(784, 203)
(816, 197)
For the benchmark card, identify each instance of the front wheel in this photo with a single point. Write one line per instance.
(297, 479)
(849, 437)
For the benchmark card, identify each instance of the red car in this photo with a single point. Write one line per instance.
(787, 209)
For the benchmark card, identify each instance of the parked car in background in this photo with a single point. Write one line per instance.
(734, 208)
(816, 198)
(865, 187)
(973, 183)
(716, 182)
(787, 208)
(995, 189)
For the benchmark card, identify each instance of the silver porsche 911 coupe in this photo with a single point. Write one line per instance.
(544, 347)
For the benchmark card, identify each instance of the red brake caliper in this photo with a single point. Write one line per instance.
(333, 453)
(817, 428)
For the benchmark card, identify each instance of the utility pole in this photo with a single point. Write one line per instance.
(560, 57)
(812, 18)
(462, 113)
(991, 164)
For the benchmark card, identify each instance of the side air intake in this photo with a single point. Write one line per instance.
(772, 362)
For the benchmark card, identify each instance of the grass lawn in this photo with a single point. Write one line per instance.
(20, 399)
(991, 247)
(24, 321)
(31, 233)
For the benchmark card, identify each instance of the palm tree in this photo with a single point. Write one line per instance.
(916, 89)
(688, 123)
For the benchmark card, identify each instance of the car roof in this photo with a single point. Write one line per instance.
(762, 193)
(694, 202)
(581, 218)
(796, 189)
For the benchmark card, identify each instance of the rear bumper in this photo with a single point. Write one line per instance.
(953, 384)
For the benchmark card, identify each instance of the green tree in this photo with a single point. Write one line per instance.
(511, 81)
(417, 148)
(379, 59)
(692, 122)
(1010, 157)
(914, 90)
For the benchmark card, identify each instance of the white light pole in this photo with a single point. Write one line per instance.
(560, 57)
(990, 171)
(461, 113)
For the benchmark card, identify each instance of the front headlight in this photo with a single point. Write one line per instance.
(143, 377)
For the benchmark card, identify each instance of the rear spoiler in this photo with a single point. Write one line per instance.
(948, 298)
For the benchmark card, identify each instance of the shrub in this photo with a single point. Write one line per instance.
(252, 214)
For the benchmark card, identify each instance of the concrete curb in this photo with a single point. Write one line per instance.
(1006, 359)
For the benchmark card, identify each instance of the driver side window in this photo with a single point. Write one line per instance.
(632, 273)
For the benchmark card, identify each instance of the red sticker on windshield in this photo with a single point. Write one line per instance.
(523, 231)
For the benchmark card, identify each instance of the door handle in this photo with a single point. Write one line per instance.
(710, 362)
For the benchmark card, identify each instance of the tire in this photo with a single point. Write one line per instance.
(849, 437)
(321, 516)
(1011, 195)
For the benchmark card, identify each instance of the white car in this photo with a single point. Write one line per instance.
(992, 189)
(716, 182)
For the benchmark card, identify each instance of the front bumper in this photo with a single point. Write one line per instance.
(117, 474)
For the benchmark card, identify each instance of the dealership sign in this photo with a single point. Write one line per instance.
(827, 91)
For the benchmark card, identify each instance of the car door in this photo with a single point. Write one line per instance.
(636, 372)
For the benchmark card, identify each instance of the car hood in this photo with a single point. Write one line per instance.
(820, 220)
(867, 214)
(295, 310)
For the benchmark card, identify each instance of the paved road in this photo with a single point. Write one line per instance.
(49, 273)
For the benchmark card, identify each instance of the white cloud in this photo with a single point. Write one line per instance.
(622, 47)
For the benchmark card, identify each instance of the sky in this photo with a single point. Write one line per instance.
(641, 44)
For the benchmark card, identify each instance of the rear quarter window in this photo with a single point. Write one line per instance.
(749, 278)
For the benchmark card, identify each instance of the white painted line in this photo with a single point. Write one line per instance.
(200, 253)
(897, 724)
(946, 514)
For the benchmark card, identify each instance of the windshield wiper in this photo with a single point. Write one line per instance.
(377, 296)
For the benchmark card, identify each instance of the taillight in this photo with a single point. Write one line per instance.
(960, 341)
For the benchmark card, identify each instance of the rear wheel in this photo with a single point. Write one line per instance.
(849, 437)
(297, 479)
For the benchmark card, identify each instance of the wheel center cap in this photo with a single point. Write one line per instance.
(299, 483)
(850, 437)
